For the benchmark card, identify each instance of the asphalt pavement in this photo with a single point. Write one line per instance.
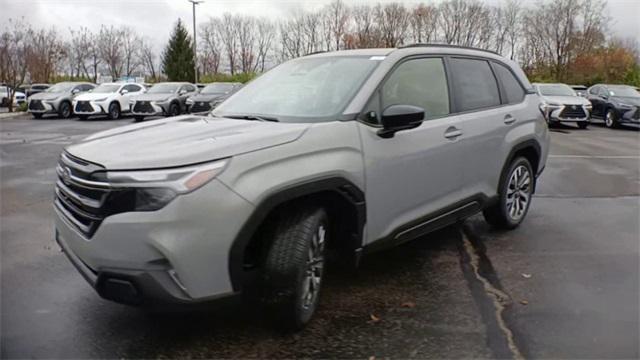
(565, 284)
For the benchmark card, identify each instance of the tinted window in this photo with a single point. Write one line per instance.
(190, 88)
(132, 88)
(594, 90)
(87, 87)
(514, 92)
(474, 84)
(419, 82)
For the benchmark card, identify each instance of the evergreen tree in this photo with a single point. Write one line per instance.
(178, 58)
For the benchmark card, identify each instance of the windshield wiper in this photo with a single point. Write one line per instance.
(252, 117)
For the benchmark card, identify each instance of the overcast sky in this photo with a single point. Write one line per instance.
(154, 18)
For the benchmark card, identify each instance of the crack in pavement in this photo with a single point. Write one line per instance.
(498, 330)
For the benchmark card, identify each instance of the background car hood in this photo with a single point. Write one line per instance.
(47, 95)
(567, 100)
(154, 97)
(181, 140)
(92, 96)
(626, 100)
(206, 97)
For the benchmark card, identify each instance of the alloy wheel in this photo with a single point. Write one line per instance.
(315, 267)
(608, 121)
(518, 192)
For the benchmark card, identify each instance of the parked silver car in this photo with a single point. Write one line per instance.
(560, 103)
(351, 150)
(166, 99)
(57, 99)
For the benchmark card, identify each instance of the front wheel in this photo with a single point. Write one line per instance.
(174, 110)
(65, 110)
(294, 266)
(611, 119)
(583, 125)
(514, 196)
(114, 111)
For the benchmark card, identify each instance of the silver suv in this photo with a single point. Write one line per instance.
(342, 153)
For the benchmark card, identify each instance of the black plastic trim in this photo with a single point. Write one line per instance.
(341, 186)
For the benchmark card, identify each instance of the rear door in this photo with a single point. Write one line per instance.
(484, 121)
(416, 173)
(597, 102)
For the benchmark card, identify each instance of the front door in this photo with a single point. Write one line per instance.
(418, 171)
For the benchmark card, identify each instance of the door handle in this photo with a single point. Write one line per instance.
(508, 119)
(452, 133)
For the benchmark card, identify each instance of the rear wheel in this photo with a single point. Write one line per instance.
(64, 111)
(611, 119)
(114, 111)
(516, 188)
(294, 266)
(583, 124)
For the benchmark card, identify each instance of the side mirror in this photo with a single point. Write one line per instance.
(75, 91)
(182, 92)
(124, 91)
(400, 117)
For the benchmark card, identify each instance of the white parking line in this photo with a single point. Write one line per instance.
(596, 156)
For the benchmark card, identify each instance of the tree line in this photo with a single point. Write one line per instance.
(562, 40)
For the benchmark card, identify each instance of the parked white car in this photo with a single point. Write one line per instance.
(18, 97)
(111, 99)
(560, 103)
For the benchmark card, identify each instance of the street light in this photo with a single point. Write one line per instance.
(195, 54)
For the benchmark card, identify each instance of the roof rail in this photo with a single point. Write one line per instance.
(446, 46)
(315, 52)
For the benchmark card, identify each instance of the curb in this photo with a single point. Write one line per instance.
(11, 115)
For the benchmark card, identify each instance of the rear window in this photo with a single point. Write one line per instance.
(474, 84)
(513, 91)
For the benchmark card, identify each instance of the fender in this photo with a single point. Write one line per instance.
(339, 185)
(531, 143)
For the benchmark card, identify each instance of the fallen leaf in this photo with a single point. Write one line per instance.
(374, 318)
(524, 302)
(526, 276)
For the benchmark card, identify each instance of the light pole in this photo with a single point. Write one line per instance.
(195, 35)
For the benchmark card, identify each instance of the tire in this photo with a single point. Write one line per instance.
(292, 276)
(583, 125)
(505, 214)
(114, 111)
(138, 118)
(611, 119)
(64, 111)
(37, 115)
(174, 110)
(83, 117)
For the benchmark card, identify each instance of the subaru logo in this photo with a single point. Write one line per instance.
(66, 175)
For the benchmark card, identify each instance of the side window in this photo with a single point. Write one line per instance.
(132, 88)
(418, 82)
(514, 92)
(474, 84)
(88, 87)
(190, 88)
(594, 90)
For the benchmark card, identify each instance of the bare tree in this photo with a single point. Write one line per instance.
(264, 42)
(130, 50)
(148, 58)
(245, 30)
(338, 19)
(393, 20)
(423, 20)
(211, 46)
(46, 50)
(365, 29)
(111, 49)
(15, 47)
(227, 28)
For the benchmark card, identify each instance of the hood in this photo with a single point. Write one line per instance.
(626, 100)
(47, 95)
(567, 100)
(207, 97)
(154, 97)
(92, 96)
(181, 140)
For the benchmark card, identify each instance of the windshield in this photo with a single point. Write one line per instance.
(106, 88)
(302, 90)
(627, 91)
(218, 88)
(556, 90)
(163, 88)
(61, 87)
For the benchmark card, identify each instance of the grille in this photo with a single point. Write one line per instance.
(636, 115)
(143, 107)
(84, 106)
(200, 106)
(573, 112)
(78, 196)
(36, 105)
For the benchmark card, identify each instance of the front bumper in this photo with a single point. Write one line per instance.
(90, 107)
(178, 254)
(149, 108)
(630, 116)
(41, 107)
(570, 113)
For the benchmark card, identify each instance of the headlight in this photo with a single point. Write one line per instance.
(149, 190)
(625, 106)
(162, 102)
(588, 106)
(189, 102)
(101, 99)
(132, 102)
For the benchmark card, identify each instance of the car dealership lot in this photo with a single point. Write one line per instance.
(565, 284)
